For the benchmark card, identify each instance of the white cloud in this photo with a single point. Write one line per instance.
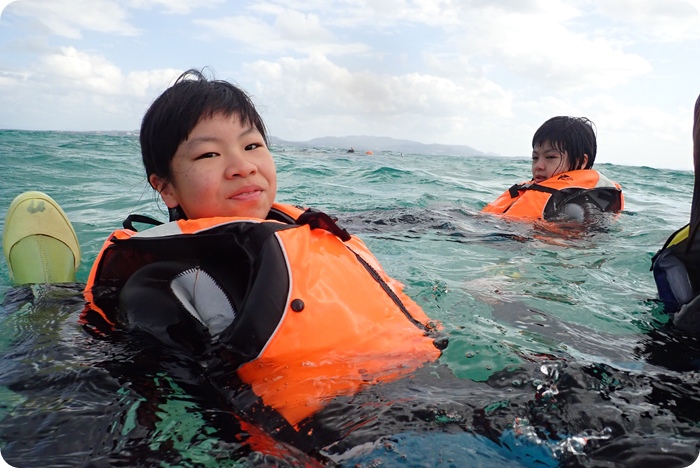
(4, 3)
(178, 7)
(436, 13)
(368, 14)
(314, 97)
(640, 130)
(69, 18)
(318, 81)
(290, 31)
(75, 69)
(75, 90)
(651, 20)
(301, 28)
(149, 83)
(534, 40)
(540, 46)
(69, 70)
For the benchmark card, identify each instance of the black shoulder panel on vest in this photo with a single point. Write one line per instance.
(264, 305)
(600, 199)
(244, 256)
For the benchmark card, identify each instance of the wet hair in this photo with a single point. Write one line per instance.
(573, 135)
(174, 114)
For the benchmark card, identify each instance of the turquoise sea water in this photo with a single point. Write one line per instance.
(559, 353)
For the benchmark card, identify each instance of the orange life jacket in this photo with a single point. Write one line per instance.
(531, 201)
(318, 317)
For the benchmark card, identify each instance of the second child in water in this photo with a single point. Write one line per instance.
(564, 186)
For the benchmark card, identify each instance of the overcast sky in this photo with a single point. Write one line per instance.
(483, 73)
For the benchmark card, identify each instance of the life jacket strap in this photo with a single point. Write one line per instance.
(515, 189)
(128, 223)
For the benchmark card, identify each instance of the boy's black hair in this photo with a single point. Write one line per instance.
(173, 115)
(575, 135)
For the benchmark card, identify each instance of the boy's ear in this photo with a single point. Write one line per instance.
(166, 191)
(584, 163)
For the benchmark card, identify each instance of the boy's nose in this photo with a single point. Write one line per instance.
(239, 166)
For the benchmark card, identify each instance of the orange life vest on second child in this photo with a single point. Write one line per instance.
(314, 314)
(531, 201)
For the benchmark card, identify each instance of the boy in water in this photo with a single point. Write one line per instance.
(563, 184)
(269, 289)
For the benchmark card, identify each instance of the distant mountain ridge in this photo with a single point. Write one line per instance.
(364, 143)
(360, 143)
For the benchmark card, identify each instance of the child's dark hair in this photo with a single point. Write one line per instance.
(575, 135)
(173, 115)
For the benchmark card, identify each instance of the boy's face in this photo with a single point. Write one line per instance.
(547, 161)
(222, 169)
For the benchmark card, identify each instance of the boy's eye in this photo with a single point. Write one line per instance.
(206, 155)
(252, 146)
